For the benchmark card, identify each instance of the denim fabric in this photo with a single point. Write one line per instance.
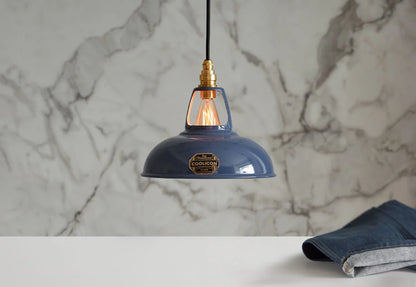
(379, 240)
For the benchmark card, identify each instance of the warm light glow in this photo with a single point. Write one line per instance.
(207, 114)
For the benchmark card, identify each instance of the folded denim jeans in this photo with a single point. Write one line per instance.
(381, 239)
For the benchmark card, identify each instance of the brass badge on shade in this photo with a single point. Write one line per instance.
(204, 163)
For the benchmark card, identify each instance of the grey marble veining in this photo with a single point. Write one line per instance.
(87, 88)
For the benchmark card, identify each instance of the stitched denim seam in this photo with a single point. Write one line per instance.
(348, 267)
(400, 226)
(324, 246)
(380, 247)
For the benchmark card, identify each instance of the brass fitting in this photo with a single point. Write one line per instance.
(208, 79)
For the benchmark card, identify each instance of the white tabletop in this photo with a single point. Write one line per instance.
(173, 261)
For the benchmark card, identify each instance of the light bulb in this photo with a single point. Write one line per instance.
(207, 113)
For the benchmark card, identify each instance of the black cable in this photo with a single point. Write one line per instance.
(208, 30)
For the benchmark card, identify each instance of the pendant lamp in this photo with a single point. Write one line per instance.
(208, 148)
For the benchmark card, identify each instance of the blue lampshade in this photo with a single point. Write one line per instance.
(208, 151)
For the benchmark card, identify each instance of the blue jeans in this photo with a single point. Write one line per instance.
(380, 239)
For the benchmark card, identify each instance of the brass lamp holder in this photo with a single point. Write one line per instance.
(208, 79)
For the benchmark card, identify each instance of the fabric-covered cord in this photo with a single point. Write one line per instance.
(208, 29)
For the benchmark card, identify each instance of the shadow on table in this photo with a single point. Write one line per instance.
(299, 268)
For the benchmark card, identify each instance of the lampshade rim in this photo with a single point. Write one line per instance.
(210, 176)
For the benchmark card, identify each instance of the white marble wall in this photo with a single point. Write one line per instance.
(88, 87)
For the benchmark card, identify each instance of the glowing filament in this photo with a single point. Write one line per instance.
(207, 114)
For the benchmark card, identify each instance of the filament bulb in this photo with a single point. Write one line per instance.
(207, 113)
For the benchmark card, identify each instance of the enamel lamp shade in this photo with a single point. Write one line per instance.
(208, 148)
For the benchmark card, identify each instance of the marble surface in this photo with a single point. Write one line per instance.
(175, 261)
(87, 88)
